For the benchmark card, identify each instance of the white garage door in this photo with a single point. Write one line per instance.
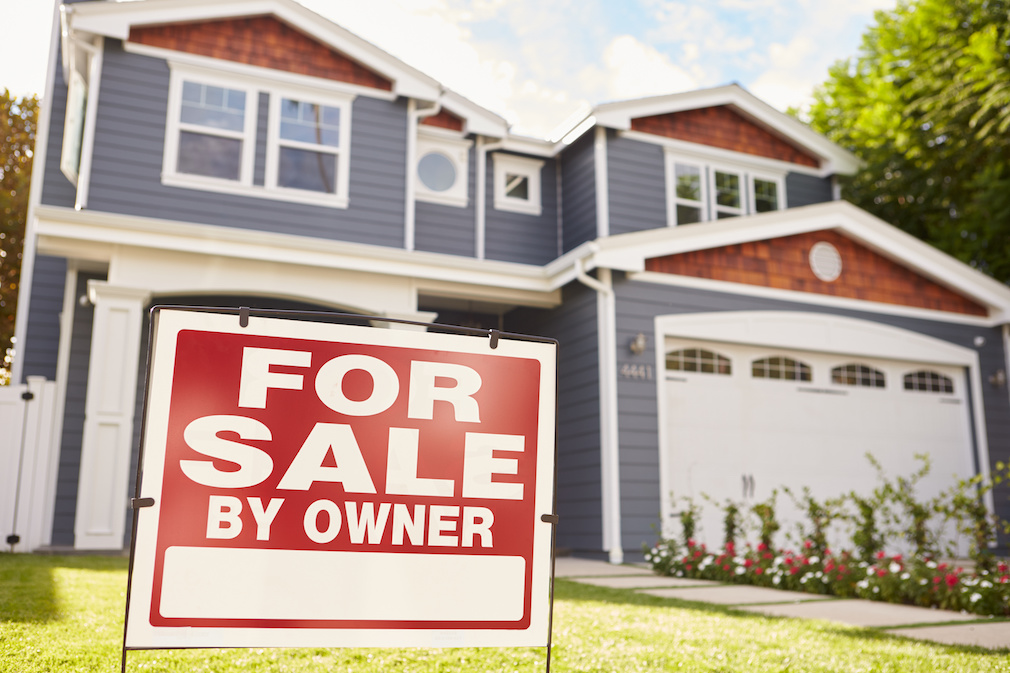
(744, 420)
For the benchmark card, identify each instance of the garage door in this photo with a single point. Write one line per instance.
(743, 420)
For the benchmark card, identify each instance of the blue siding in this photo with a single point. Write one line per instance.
(129, 143)
(42, 338)
(637, 305)
(57, 190)
(637, 188)
(805, 190)
(579, 492)
(515, 237)
(449, 229)
(578, 193)
(73, 418)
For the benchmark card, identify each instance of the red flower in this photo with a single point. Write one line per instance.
(1004, 579)
(881, 572)
(762, 546)
(1002, 567)
(747, 563)
(806, 561)
(880, 555)
(842, 569)
(691, 543)
(936, 580)
(687, 566)
(807, 544)
(897, 558)
(941, 567)
(726, 567)
(788, 561)
(793, 570)
(758, 570)
(730, 548)
(951, 579)
(768, 556)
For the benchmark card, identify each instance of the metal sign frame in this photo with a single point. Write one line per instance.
(370, 627)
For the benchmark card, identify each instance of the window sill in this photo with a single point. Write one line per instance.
(206, 184)
(442, 199)
(522, 207)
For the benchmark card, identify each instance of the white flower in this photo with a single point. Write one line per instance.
(931, 564)
(922, 581)
(863, 584)
(986, 584)
(815, 559)
(871, 570)
(777, 579)
(894, 567)
(876, 590)
(975, 597)
(740, 570)
(905, 576)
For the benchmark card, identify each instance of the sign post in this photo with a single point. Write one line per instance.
(315, 484)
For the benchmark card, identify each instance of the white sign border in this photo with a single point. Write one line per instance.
(168, 322)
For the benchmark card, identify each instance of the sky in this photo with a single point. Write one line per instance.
(538, 63)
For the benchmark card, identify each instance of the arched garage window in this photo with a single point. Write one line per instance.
(929, 381)
(697, 360)
(777, 367)
(857, 375)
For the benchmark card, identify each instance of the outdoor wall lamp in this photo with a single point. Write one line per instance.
(637, 344)
(998, 380)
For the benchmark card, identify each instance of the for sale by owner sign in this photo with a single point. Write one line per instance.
(318, 484)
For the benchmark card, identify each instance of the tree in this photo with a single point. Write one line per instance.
(926, 105)
(18, 120)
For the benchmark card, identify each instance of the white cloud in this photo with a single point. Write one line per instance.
(632, 69)
(24, 49)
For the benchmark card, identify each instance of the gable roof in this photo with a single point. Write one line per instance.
(116, 19)
(631, 252)
(621, 115)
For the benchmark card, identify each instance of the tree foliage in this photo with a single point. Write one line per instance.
(926, 105)
(18, 119)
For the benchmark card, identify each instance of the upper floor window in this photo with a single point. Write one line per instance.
(699, 191)
(307, 147)
(517, 184)
(443, 167)
(211, 139)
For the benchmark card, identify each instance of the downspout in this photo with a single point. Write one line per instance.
(414, 116)
(480, 207)
(610, 478)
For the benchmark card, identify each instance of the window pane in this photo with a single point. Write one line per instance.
(213, 156)
(517, 186)
(305, 169)
(688, 182)
(766, 196)
(688, 214)
(213, 106)
(727, 189)
(436, 171)
(310, 123)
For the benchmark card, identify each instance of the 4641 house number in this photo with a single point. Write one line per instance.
(641, 372)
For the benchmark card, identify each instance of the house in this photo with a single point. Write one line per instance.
(727, 325)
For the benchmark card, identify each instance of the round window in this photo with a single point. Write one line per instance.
(436, 171)
(825, 261)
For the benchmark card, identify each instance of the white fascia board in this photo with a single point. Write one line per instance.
(114, 19)
(479, 120)
(628, 252)
(723, 157)
(94, 236)
(836, 159)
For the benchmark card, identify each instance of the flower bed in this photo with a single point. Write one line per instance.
(893, 579)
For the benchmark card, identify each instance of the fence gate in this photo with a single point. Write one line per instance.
(29, 458)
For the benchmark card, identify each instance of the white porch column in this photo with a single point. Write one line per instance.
(102, 490)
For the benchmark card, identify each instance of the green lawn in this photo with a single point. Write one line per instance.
(66, 614)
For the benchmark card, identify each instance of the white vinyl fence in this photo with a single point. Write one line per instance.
(29, 459)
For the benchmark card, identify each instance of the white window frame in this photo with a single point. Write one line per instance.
(254, 84)
(671, 189)
(780, 189)
(747, 171)
(339, 197)
(174, 126)
(455, 149)
(506, 164)
(714, 207)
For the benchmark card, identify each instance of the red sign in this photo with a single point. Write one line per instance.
(320, 484)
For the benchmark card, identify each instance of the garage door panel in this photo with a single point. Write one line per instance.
(816, 434)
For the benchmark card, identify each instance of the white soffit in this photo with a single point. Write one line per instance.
(620, 114)
(628, 252)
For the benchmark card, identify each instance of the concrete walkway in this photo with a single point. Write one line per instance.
(940, 626)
